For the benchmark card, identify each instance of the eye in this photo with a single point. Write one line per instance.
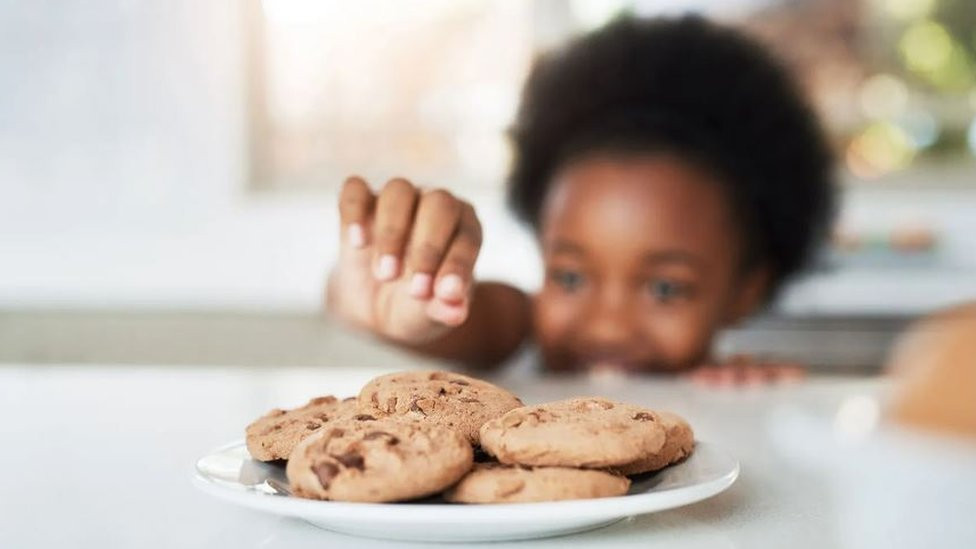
(665, 291)
(569, 281)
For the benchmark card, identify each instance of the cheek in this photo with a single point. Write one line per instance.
(554, 318)
(681, 335)
(680, 342)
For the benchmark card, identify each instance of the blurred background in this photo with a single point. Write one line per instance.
(169, 169)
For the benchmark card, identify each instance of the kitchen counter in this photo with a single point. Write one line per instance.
(845, 344)
(102, 456)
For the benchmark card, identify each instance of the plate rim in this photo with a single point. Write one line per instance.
(410, 514)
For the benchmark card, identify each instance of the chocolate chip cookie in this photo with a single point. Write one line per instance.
(580, 432)
(274, 435)
(499, 483)
(382, 460)
(447, 399)
(679, 442)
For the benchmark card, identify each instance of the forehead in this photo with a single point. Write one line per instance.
(638, 204)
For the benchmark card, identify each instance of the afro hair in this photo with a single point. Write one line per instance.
(701, 91)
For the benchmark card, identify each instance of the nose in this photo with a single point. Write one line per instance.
(609, 321)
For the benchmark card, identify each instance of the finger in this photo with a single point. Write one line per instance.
(450, 314)
(391, 227)
(708, 376)
(356, 203)
(453, 281)
(700, 374)
(754, 375)
(790, 373)
(434, 226)
(726, 376)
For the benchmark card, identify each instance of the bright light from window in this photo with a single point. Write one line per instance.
(883, 96)
(378, 89)
(908, 9)
(926, 46)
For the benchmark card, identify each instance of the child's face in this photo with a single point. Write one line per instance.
(643, 265)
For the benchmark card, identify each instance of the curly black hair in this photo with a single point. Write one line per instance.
(688, 87)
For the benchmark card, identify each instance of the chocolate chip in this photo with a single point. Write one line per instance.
(390, 438)
(643, 416)
(323, 400)
(352, 460)
(481, 456)
(391, 404)
(311, 425)
(363, 417)
(415, 408)
(442, 391)
(325, 472)
(459, 382)
(276, 428)
(322, 417)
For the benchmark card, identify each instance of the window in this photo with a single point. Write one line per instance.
(426, 88)
(382, 87)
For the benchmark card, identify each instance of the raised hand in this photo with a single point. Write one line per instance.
(406, 260)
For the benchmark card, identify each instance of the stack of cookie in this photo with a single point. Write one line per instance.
(411, 435)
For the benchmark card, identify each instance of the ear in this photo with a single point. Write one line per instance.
(748, 297)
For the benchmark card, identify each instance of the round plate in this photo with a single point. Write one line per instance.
(230, 474)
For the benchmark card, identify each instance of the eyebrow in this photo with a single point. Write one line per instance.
(650, 258)
(673, 256)
(565, 247)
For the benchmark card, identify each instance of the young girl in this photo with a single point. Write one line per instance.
(674, 178)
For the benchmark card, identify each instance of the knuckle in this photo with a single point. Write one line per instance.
(471, 234)
(398, 185)
(354, 181)
(390, 233)
(442, 199)
(353, 201)
(458, 264)
(427, 254)
(354, 186)
(472, 223)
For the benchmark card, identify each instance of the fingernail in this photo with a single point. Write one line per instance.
(356, 235)
(451, 314)
(450, 287)
(386, 267)
(420, 284)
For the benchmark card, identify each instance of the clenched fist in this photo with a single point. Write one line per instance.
(405, 261)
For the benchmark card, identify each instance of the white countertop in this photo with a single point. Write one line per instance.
(102, 456)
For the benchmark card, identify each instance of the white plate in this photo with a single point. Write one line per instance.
(230, 474)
